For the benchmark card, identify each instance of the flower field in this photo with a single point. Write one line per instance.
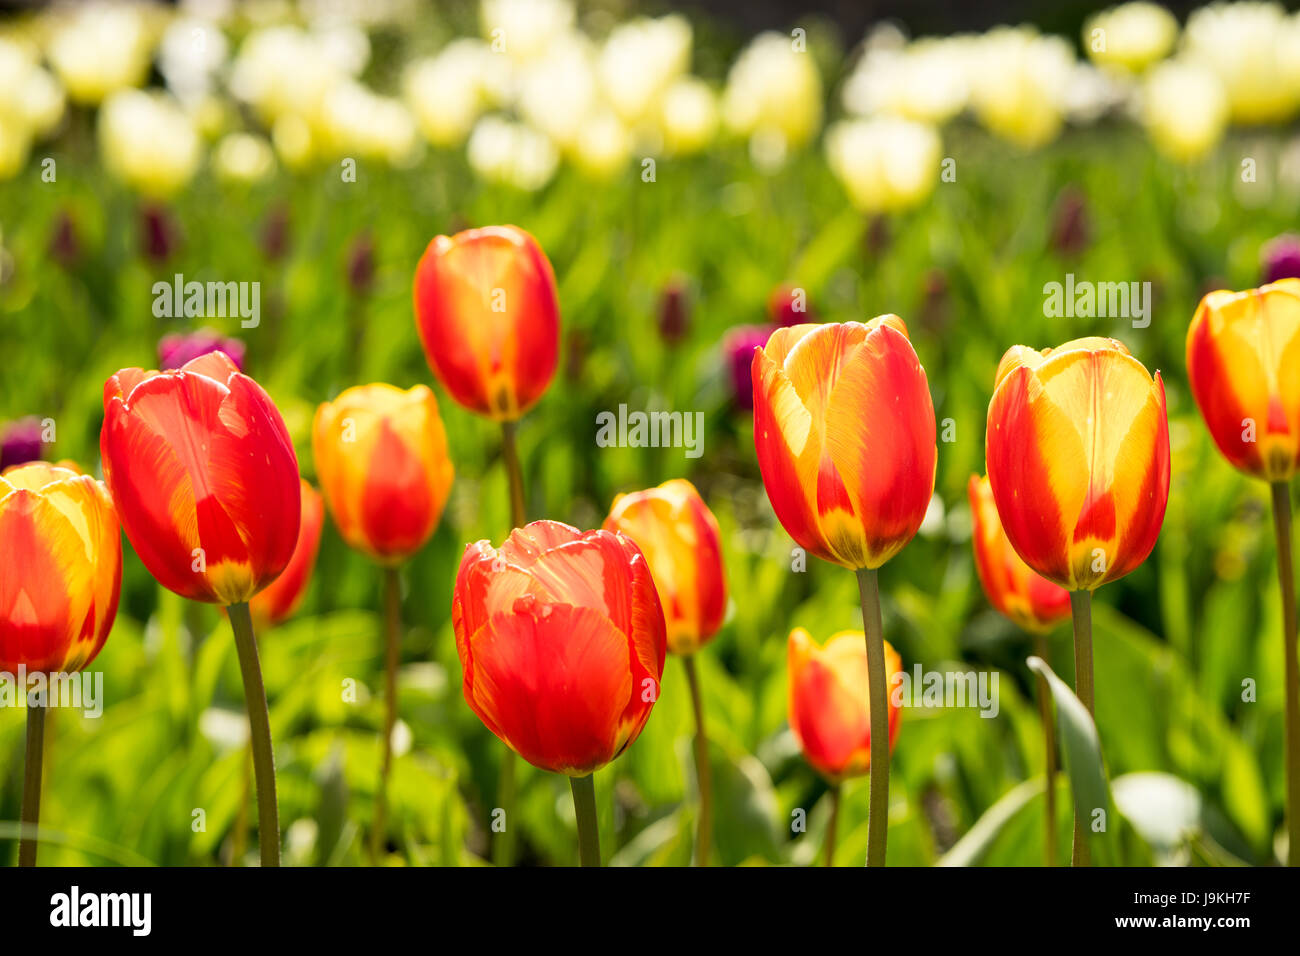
(687, 199)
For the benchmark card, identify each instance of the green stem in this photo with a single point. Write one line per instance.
(873, 628)
(1081, 610)
(30, 815)
(239, 839)
(703, 773)
(828, 848)
(392, 657)
(1049, 750)
(259, 723)
(1286, 578)
(503, 847)
(584, 806)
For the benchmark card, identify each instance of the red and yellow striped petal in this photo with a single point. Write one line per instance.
(489, 319)
(1243, 362)
(278, 601)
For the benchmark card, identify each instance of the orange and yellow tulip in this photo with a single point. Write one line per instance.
(382, 461)
(489, 318)
(1078, 459)
(278, 600)
(1243, 361)
(60, 568)
(562, 643)
(1013, 587)
(845, 434)
(830, 711)
(678, 535)
(203, 476)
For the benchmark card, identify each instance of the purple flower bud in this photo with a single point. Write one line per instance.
(674, 311)
(180, 347)
(65, 245)
(1282, 258)
(275, 233)
(361, 264)
(159, 233)
(738, 346)
(788, 305)
(1071, 223)
(20, 442)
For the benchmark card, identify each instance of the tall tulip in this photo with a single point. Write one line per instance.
(488, 316)
(60, 574)
(829, 709)
(845, 434)
(1078, 459)
(1243, 360)
(280, 599)
(678, 535)
(562, 641)
(205, 482)
(1032, 602)
(381, 457)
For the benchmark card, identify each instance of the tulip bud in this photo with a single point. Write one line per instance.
(788, 305)
(159, 233)
(845, 434)
(20, 442)
(178, 349)
(275, 233)
(1027, 598)
(489, 320)
(738, 345)
(361, 264)
(830, 711)
(674, 311)
(1282, 258)
(678, 535)
(62, 555)
(1078, 459)
(381, 457)
(1243, 350)
(562, 642)
(278, 601)
(204, 477)
(65, 244)
(1071, 225)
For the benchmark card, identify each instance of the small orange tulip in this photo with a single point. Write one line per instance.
(562, 643)
(1078, 459)
(283, 595)
(381, 458)
(60, 568)
(1243, 360)
(489, 319)
(830, 711)
(1013, 587)
(844, 429)
(203, 476)
(678, 535)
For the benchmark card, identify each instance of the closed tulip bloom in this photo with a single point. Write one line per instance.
(381, 457)
(1243, 360)
(204, 477)
(845, 433)
(1078, 459)
(1013, 587)
(60, 568)
(829, 704)
(562, 642)
(488, 316)
(281, 597)
(678, 535)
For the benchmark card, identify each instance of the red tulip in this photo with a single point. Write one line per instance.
(204, 477)
(279, 599)
(1013, 587)
(678, 535)
(562, 642)
(60, 568)
(1078, 459)
(488, 316)
(845, 433)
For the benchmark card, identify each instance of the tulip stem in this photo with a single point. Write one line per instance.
(828, 848)
(584, 807)
(1081, 609)
(1286, 578)
(259, 723)
(703, 773)
(1049, 750)
(503, 848)
(392, 657)
(873, 628)
(30, 815)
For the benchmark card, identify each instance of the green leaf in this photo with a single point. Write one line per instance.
(970, 849)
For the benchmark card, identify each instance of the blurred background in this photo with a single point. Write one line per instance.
(686, 170)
